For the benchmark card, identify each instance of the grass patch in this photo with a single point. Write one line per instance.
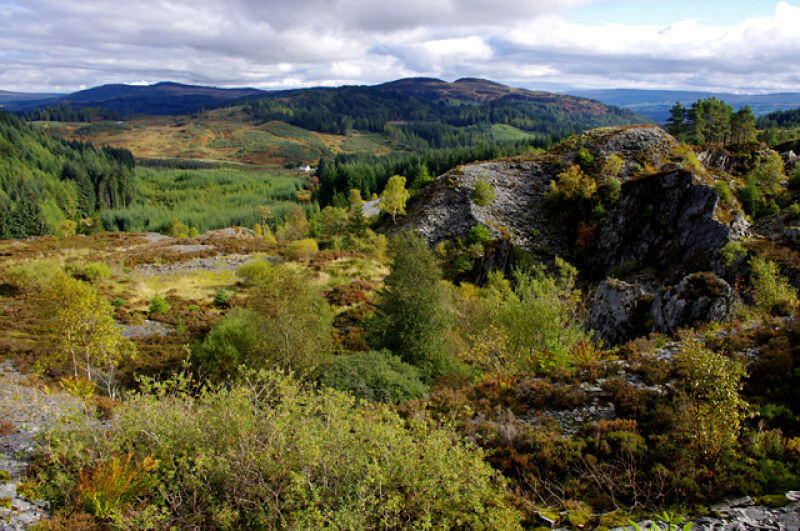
(193, 285)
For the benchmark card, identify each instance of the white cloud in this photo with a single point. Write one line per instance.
(70, 44)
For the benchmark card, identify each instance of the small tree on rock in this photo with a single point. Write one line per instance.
(394, 197)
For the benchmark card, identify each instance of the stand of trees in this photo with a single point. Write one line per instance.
(65, 113)
(779, 119)
(369, 173)
(711, 120)
(44, 180)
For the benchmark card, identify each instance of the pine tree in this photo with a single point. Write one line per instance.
(676, 123)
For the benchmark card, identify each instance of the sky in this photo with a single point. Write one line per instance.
(721, 45)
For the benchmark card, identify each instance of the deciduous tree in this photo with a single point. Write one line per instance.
(79, 321)
(394, 197)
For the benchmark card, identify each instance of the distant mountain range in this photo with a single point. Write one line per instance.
(159, 99)
(7, 97)
(428, 108)
(168, 98)
(655, 104)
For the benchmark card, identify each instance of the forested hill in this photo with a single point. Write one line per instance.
(47, 185)
(158, 99)
(434, 110)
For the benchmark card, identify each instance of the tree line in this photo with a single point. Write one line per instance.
(713, 121)
(65, 113)
(779, 119)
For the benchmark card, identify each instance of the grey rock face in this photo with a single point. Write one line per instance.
(619, 311)
(698, 297)
(789, 160)
(662, 221)
(740, 228)
(445, 209)
(718, 159)
(634, 145)
(780, 229)
(623, 310)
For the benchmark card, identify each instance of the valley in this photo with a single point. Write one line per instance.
(480, 307)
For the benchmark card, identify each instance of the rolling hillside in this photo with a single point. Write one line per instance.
(221, 135)
(435, 110)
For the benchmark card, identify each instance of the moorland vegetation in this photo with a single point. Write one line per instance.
(304, 370)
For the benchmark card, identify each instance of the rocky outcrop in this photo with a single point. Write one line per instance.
(789, 160)
(445, 209)
(743, 514)
(620, 311)
(719, 159)
(780, 229)
(664, 222)
(637, 146)
(698, 297)
(27, 412)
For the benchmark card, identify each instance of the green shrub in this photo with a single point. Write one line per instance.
(255, 271)
(176, 229)
(731, 252)
(301, 250)
(333, 463)
(374, 376)
(32, 274)
(221, 298)
(66, 227)
(543, 319)
(118, 302)
(690, 159)
(288, 325)
(712, 419)
(584, 159)
(94, 271)
(483, 193)
(235, 340)
(750, 197)
(158, 305)
(412, 319)
(724, 192)
(572, 185)
(479, 234)
(771, 292)
(792, 211)
(612, 166)
(609, 192)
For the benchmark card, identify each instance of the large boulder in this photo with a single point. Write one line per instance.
(699, 297)
(620, 311)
